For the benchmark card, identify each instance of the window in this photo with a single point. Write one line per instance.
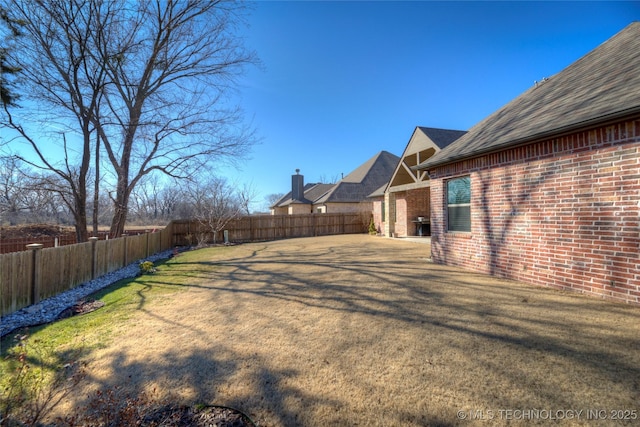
(459, 204)
(384, 219)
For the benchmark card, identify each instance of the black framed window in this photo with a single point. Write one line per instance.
(459, 204)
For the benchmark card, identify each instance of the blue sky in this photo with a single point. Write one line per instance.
(342, 81)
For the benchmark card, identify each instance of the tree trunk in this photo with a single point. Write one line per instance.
(80, 219)
(96, 188)
(120, 205)
(118, 221)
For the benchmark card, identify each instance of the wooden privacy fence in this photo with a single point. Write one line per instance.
(27, 277)
(31, 275)
(271, 227)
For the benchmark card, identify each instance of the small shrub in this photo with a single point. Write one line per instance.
(372, 227)
(147, 267)
(203, 238)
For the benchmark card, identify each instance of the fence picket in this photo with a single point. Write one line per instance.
(67, 266)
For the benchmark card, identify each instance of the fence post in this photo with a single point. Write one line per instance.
(147, 244)
(35, 249)
(124, 242)
(94, 256)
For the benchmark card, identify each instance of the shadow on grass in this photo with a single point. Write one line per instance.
(471, 315)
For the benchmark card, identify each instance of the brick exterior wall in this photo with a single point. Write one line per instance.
(298, 208)
(390, 209)
(377, 214)
(409, 206)
(366, 206)
(280, 211)
(562, 213)
(400, 226)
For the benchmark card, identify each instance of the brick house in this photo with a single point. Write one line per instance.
(546, 190)
(349, 195)
(401, 205)
(300, 199)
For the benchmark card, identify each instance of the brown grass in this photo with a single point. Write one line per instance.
(361, 330)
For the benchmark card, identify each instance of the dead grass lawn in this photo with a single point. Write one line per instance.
(360, 330)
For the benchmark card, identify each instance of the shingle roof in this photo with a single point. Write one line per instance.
(317, 191)
(367, 178)
(311, 192)
(442, 137)
(379, 192)
(602, 85)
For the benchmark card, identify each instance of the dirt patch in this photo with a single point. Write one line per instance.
(81, 307)
(31, 231)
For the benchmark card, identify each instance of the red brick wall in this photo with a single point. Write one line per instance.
(410, 205)
(562, 213)
(401, 214)
(377, 215)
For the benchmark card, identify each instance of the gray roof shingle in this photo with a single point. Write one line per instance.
(442, 137)
(602, 85)
(367, 178)
(311, 192)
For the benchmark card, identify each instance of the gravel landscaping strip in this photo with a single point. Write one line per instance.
(48, 310)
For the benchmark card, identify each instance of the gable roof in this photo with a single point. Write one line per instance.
(423, 144)
(367, 178)
(379, 192)
(602, 85)
(311, 192)
(441, 137)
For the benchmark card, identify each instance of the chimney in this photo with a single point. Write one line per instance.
(297, 186)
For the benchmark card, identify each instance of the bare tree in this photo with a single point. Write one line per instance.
(153, 79)
(216, 202)
(329, 180)
(271, 199)
(154, 200)
(55, 64)
(171, 65)
(10, 189)
(24, 196)
(168, 201)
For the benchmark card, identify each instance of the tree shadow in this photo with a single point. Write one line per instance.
(448, 311)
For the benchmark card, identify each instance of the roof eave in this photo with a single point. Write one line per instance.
(557, 132)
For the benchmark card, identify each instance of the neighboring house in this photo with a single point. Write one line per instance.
(401, 205)
(299, 199)
(347, 196)
(546, 190)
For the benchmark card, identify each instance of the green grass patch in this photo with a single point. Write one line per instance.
(85, 333)
(40, 366)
